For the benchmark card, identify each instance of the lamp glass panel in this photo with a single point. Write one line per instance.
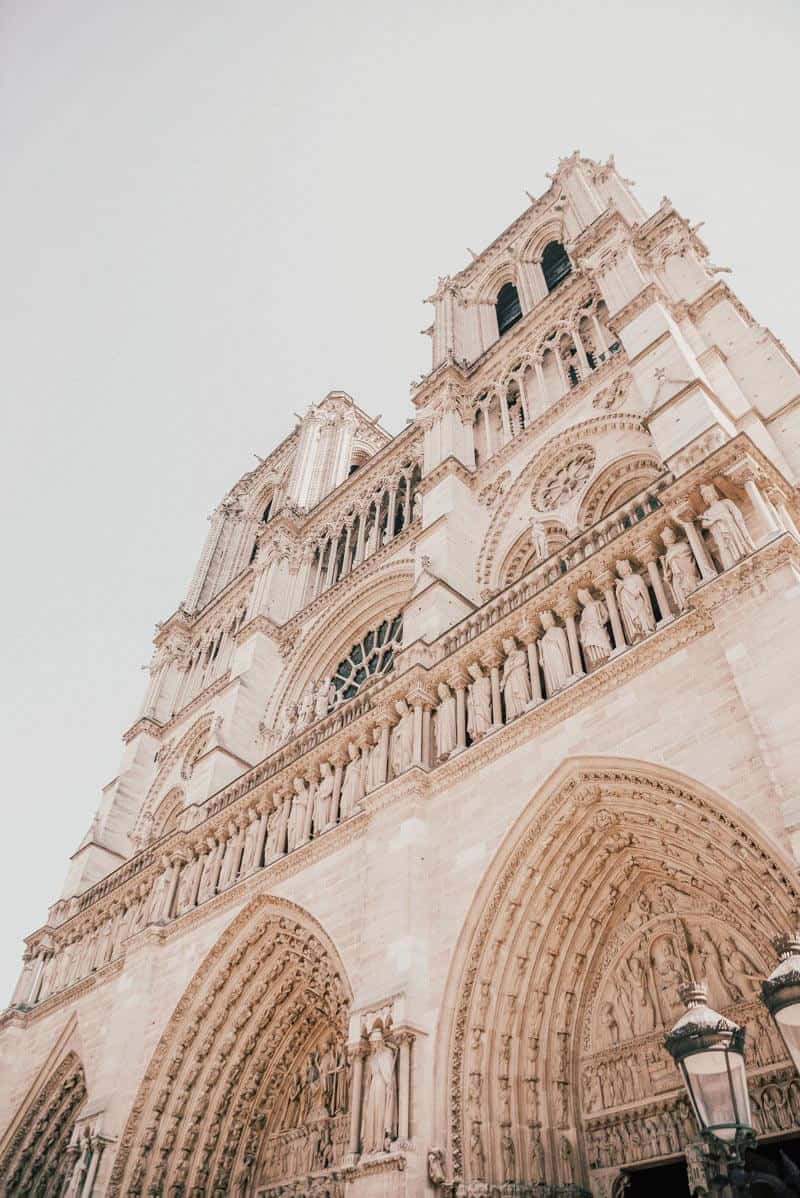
(721, 1097)
(788, 1021)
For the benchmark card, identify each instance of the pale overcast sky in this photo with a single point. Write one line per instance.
(214, 213)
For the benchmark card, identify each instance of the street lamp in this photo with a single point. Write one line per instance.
(780, 994)
(709, 1052)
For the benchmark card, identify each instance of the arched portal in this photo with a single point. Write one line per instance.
(36, 1161)
(619, 882)
(248, 1084)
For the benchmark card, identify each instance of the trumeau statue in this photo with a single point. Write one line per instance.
(380, 1095)
(353, 781)
(679, 567)
(726, 525)
(402, 739)
(446, 734)
(515, 683)
(479, 703)
(554, 655)
(592, 629)
(634, 602)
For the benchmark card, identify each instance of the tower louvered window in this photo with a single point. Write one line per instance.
(555, 264)
(507, 307)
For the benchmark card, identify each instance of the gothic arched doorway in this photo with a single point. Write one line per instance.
(35, 1160)
(619, 882)
(248, 1085)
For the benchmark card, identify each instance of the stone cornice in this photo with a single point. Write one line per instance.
(145, 724)
(451, 466)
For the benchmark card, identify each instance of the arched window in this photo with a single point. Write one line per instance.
(507, 307)
(373, 654)
(267, 511)
(555, 264)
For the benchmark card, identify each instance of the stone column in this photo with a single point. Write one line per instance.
(570, 612)
(458, 681)
(541, 385)
(338, 760)
(385, 724)
(528, 637)
(647, 554)
(262, 834)
(356, 1085)
(417, 699)
(705, 565)
(345, 564)
(404, 1087)
(487, 426)
(492, 661)
(334, 544)
(501, 399)
(362, 524)
(97, 1144)
(390, 513)
(779, 504)
(605, 582)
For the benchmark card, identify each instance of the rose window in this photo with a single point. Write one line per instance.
(565, 482)
(372, 655)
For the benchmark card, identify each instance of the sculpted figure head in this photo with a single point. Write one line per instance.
(624, 568)
(584, 597)
(325, 768)
(352, 750)
(376, 735)
(509, 644)
(668, 536)
(548, 619)
(475, 670)
(443, 690)
(299, 786)
(709, 493)
(401, 707)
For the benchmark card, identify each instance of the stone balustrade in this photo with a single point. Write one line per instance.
(613, 589)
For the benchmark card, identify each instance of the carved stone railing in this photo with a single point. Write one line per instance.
(537, 643)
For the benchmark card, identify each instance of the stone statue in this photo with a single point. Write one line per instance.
(509, 1156)
(539, 540)
(352, 782)
(230, 862)
(515, 683)
(479, 703)
(288, 723)
(634, 602)
(276, 830)
(446, 733)
(322, 699)
(305, 708)
(186, 887)
(592, 629)
(436, 1173)
(380, 1094)
(416, 507)
(476, 1157)
(323, 799)
(726, 525)
(376, 764)
(679, 568)
(554, 655)
(402, 739)
(710, 967)
(297, 816)
(740, 973)
(251, 837)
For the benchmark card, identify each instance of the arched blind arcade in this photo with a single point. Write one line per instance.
(555, 264)
(507, 307)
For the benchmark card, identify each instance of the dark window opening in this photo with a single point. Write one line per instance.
(507, 307)
(573, 375)
(267, 512)
(555, 264)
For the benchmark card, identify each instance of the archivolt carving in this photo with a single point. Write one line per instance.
(187, 749)
(620, 881)
(35, 1161)
(513, 508)
(618, 482)
(255, 1043)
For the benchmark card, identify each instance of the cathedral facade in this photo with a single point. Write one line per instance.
(465, 748)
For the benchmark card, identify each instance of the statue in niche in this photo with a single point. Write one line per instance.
(477, 1159)
(554, 655)
(479, 703)
(709, 967)
(323, 799)
(297, 815)
(352, 781)
(323, 697)
(565, 1162)
(634, 602)
(380, 1094)
(541, 548)
(509, 1155)
(186, 887)
(305, 708)
(741, 974)
(726, 526)
(416, 506)
(536, 1154)
(608, 1019)
(446, 735)
(230, 862)
(679, 568)
(288, 723)
(342, 1086)
(402, 751)
(276, 829)
(515, 683)
(633, 991)
(251, 837)
(670, 972)
(592, 629)
(295, 1104)
(327, 1069)
(376, 763)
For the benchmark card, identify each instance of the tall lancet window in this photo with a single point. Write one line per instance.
(555, 264)
(507, 307)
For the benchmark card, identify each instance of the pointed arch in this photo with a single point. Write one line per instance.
(33, 1152)
(620, 879)
(215, 1106)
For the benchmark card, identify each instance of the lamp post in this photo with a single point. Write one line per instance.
(709, 1052)
(780, 993)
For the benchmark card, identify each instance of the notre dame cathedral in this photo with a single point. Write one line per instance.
(464, 750)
